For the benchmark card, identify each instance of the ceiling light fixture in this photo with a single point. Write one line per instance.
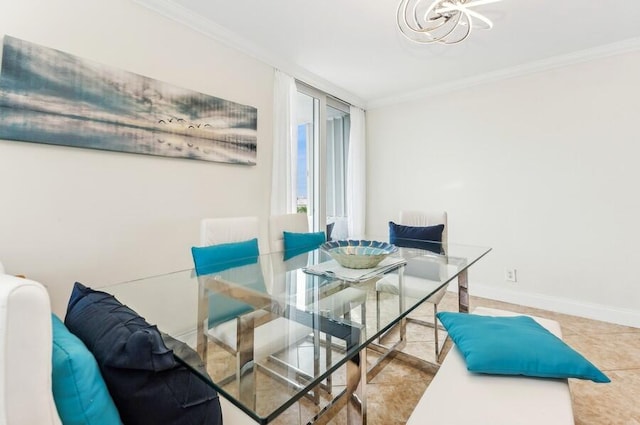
(444, 21)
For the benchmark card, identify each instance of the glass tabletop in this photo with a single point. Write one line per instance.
(270, 332)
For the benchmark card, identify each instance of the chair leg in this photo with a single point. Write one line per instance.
(435, 328)
(378, 312)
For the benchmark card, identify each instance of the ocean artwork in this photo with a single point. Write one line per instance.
(48, 96)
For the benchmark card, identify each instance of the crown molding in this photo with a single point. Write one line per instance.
(625, 46)
(208, 28)
(177, 13)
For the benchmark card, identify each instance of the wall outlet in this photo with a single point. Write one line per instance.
(510, 275)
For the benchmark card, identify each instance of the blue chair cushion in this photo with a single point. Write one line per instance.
(215, 258)
(146, 382)
(299, 243)
(421, 237)
(515, 346)
(229, 258)
(80, 393)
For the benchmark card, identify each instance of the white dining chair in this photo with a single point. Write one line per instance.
(338, 304)
(421, 277)
(271, 335)
(278, 224)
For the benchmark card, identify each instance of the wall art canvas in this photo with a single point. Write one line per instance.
(48, 96)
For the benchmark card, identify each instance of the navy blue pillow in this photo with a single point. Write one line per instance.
(421, 237)
(299, 243)
(147, 384)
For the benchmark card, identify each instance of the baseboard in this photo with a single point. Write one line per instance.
(594, 311)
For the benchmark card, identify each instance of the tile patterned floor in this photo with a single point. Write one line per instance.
(613, 348)
(396, 389)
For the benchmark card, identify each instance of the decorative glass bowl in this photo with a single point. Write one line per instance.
(358, 254)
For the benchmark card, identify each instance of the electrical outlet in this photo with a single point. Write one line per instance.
(510, 275)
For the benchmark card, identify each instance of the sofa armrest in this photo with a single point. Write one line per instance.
(25, 353)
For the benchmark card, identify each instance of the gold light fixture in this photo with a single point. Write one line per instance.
(443, 21)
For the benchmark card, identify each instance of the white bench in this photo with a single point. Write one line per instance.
(457, 396)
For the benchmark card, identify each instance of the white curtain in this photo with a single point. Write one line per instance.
(356, 174)
(285, 149)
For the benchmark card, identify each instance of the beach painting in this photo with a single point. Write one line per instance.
(52, 97)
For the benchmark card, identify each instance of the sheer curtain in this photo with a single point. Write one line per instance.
(285, 150)
(356, 175)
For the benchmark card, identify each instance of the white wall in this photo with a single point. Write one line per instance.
(70, 214)
(543, 168)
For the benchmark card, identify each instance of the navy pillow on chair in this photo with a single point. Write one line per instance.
(147, 384)
(421, 237)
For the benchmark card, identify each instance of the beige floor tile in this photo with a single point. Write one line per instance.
(615, 403)
(395, 390)
(609, 351)
(391, 404)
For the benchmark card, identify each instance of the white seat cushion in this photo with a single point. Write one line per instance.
(457, 396)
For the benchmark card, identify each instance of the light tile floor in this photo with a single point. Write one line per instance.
(396, 389)
(613, 348)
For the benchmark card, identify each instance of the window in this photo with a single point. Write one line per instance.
(322, 160)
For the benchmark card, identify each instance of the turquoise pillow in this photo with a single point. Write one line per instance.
(215, 258)
(299, 243)
(80, 393)
(515, 346)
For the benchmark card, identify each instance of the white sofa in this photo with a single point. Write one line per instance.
(25, 353)
(457, 396)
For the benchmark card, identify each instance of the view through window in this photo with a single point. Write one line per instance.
(322, 160)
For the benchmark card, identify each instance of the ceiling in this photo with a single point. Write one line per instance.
(352, 48)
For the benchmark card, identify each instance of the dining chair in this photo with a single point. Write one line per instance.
(422, 275)
(278, 224)
(337, 304)
(223, 311)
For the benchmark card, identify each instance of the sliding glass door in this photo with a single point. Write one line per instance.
(322, 160)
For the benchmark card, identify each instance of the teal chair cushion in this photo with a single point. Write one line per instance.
(229, 258)
(215, 258)
(299, 243)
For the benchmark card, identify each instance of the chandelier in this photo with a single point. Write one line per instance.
(444, 21)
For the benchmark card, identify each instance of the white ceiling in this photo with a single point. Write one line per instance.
(353, 49)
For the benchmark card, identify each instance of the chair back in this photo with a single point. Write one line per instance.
(298, 223)
(426, 218)
(214, 231)
(426, 270)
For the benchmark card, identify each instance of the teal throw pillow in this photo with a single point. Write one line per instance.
(515, 345)
(242, 258)
(215, 258)
(299, 243)
(80, 393)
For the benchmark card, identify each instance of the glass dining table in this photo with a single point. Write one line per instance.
(287, 341)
